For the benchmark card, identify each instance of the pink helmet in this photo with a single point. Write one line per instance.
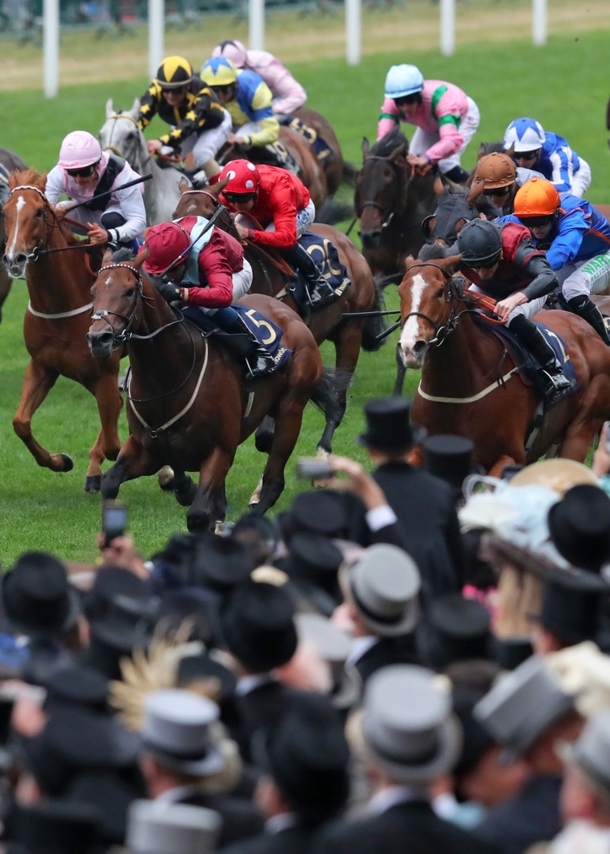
(79, 149)
(233, 50)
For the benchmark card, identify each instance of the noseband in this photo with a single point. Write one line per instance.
(41, 248)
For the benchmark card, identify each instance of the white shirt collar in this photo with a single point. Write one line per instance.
(246, 684)
(359, 647)
(388, 798)
(179, 793)
(277, 823)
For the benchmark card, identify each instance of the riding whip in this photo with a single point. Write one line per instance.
(110, 192)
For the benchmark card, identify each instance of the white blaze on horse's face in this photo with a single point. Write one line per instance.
(16, 270)
(410, 331)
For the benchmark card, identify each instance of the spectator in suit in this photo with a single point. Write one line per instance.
(171, 829)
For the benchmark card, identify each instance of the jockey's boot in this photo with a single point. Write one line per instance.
(554, 381)
(320, 292)
(583, 307)
(259, 360)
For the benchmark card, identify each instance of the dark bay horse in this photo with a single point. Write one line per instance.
(334, 167)
(189, 406)
(56, 322)
(469, 384)
(12, 162)
(348, 334)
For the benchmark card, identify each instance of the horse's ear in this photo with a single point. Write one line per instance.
(135, 108)
(408, 261)
(42, 182)
(140, 257)
(450, 264)
(107, 257)
(511, 151)
(398, 153)
(183, 185)
(366, 148)
(109, 108)
(217, 188)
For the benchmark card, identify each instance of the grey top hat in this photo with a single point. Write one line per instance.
(384, 586)
(521, 706)
(176, 731)
(333, 644)
(408, 724)
(591, 753)
(155, 827)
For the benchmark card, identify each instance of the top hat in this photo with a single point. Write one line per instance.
(187, 603)
(75, 684)
(454, 628)
(319, 512)
(220, 562)
(218, 680)
(258, 626)
(408, 724)
(315, 558)
(384, 587)
(591, 752)
(580, 527)
(176, 731)
(37, 596)
(334, 645)
(388, 425)
(449, 457)
(117, 588)
(156, 827)
(522, 706)
(56, 827)
(571, 604)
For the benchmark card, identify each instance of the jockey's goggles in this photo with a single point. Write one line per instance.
(239, 198)
(536, 221)
(486, 264)
(497, 191)
(85, 172)
(526, 155)
(407, 100)
(180, 91)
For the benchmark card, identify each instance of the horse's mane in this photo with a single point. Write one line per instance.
(28, 177)
(489, 148)
(123, 254)
(389, 143)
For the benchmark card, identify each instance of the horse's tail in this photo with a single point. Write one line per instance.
(329, 393)
(333, 211)
(349, 173)
(376, 325)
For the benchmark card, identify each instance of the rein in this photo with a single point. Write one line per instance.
(371, 203)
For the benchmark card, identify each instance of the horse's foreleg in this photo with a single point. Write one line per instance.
(287, 429)
(209, 504)
(347, 347)
(107, 445)
(401, 372)
(37, 383)
(134, 461)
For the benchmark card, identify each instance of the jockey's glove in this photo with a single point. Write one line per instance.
(169, 291)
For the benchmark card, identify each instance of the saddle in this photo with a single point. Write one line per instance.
(320, 147)
(326, 259)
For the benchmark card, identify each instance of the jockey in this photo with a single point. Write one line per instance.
(288, 95)
(500, 180)
(83, 172)
(548, 154)
(502, 263)
(207, 269)
(578, 241)
(279, 202)
(446, 119)
(199, 124)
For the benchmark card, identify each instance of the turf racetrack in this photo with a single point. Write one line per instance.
(563, 85)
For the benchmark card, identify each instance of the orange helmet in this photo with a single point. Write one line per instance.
(537, 197)
(495, 170)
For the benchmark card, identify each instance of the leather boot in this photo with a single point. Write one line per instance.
(583, 307)
(554, 380)
(259, 360)
(320, 292)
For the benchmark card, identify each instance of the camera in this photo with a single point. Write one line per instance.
(114, 520)
(313, 468)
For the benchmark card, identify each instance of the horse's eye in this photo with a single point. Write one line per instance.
(439, 294)
(39, 212)
(130, 292)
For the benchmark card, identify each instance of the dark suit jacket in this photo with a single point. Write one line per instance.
(529, 817)
(407, 828)
(292, 840)
(398, 650)
(240, 818)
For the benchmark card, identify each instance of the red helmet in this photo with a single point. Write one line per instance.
(167, 243)
(243, 177)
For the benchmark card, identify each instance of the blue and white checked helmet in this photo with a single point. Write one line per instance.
(524, 135)
(402, 80)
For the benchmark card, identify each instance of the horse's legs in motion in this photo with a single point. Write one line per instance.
(287, 429)
(401, 371)
(37, 383)
(134, 461)
(209, 505)
(347, 347)
(107, 445)
(589, 421)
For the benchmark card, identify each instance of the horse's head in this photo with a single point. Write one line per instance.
(198, 202)
(28, 220)
(425, 305)
(121, 134)
(452, 213)
(117, 295)
(381, 186)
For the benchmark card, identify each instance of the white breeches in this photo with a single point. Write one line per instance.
(206, 145)
(585, 278)
(422, 140)
(242, 282)
(582, 180)
(304, 219)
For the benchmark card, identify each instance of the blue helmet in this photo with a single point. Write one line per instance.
(402, 80)
(524, 135)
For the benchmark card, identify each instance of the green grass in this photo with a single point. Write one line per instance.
(562, 85)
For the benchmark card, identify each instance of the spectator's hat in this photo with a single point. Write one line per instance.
(72, 683)
(333, 644)
(384, 587)
(37, 597)
(220, 562)
(454, 629)
(558, 474)
(580, 527)
(55, 827)
(571, 605)
(408, 724)
(189, 604)
(258, 626)
(313, 557)
(522, 706)
(116, 588)
(110, 794)
(388, 421)
(476, 741)
(216, 681)
(177, 732)
(449, 457)
(591, 753)
(154, 827)
(320, 512)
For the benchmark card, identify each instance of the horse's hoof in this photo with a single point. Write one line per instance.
(322, 453)
(185, 497)
(93, 483)
(165, 476)
(197, 522)
(67, 461)
(256, 495)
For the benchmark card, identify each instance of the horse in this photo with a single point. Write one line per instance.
(121, 134)
(38, 248)
(11, 162)
(348, 334)
(189, 406)
(334, 166)
(391, 203)
(469, 383)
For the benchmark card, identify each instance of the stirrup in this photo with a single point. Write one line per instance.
(321, 295)
(555, 384)
(260, 364)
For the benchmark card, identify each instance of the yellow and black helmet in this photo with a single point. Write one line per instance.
(174, 72)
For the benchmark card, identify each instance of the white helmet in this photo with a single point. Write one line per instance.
(524, 135)
(79, 149)
(233, 50)
(403, 80)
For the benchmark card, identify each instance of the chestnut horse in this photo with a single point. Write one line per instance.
(469, 384)
(348, 334)
(56, 322)
(189, 406)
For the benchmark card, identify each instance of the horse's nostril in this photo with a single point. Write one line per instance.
(419, 347)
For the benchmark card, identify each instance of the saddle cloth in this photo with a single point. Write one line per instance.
(327, 261)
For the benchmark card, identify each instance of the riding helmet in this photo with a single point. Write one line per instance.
(243, 177)
(174, 73)
(219, 71)
(524, 135)
(233, 50)
(79, 150)
(537, 197)
(479, 241)
(168, 244)
(403, 80)
(495, 170)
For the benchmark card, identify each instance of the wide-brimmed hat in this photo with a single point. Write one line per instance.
(570, 607)
(37, 597)
(176, 731)
(591, 752)
(334, 645)
(449, 457)
(384, 587)
(579, 525)
(156, 827)
(389, 427)
(522, 706)
(55, 827)
(454, 628)
(408, 724)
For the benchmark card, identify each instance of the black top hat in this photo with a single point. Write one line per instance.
(74, 684)
(203, 668)
(56, 828)
(117, 588)
(475, 739)
(570, 607)
(580, 527)
(187, 603)
(449, 457)
(258, 626)
(389, 425)
(318, 512)
(307, 755)
(454, 629)
(220, 562)
(314, 557)
(37, 596)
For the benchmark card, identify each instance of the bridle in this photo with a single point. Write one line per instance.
(137, 146)
(42, 248)
(388, 214)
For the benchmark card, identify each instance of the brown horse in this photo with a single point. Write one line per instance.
(12, 162)
(189, 406)
(469, 384)
(56, 322)
(334, 167)
(348, 334)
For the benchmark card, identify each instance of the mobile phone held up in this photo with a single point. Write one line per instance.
(313, 468)
(114, 520)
